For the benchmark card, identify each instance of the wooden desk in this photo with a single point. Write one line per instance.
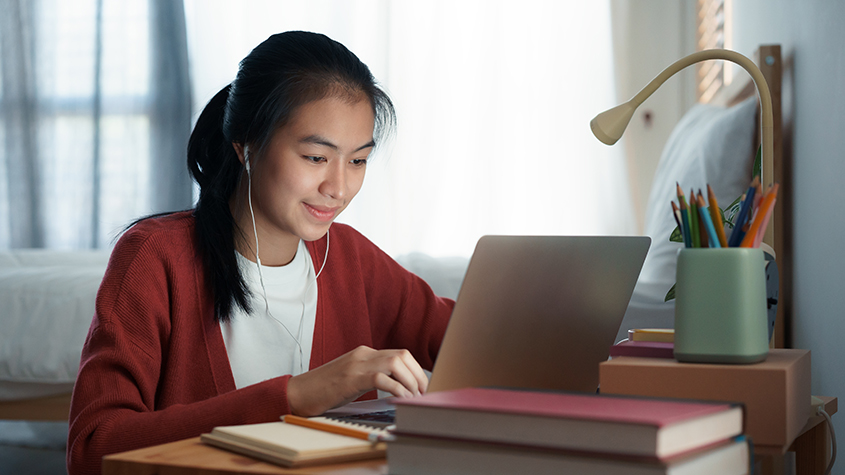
(812, 446)
(192, 457)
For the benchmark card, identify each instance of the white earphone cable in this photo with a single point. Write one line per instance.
(261, 276)
(325, 256)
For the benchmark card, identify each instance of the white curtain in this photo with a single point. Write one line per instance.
(94, 117)
(494, 100)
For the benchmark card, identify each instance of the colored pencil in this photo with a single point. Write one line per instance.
(713, 239)
(684, 216)
(695, 237)
(334, 429)
(758, 193)
(761, 233)
(744, 215)
(716, 217)
(693, 218)
(761, 215)
(703, 235)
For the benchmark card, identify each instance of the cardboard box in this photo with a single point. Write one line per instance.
(776, 392)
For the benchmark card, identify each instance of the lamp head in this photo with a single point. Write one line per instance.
(610, 124)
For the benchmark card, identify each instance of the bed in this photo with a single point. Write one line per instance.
(47, 301)
(47, 297)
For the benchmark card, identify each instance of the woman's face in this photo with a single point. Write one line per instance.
(310, 171)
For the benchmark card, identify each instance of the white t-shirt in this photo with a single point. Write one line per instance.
(264, 345)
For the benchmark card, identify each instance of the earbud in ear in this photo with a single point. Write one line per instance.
(246, 158)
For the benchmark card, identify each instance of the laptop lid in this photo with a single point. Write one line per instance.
(538, 311)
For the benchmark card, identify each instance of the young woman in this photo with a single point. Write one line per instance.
(254, 304)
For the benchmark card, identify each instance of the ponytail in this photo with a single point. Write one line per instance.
(215, 167)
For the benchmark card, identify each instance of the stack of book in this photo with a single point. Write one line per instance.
(490, 431)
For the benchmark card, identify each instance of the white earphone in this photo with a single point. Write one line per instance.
(258, 264)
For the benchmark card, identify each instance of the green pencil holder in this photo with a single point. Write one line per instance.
(720, 306)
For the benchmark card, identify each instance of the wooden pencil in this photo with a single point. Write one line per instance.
(765, 208)
(716, 216)
(712, 238)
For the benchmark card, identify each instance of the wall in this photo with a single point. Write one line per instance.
(811, 35)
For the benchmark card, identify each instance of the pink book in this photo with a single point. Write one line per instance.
(624, 425)
(647, 349)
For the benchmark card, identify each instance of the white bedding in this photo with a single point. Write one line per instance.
(47, 301)
(443, 274)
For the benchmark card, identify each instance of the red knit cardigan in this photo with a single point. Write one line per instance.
(154, 367)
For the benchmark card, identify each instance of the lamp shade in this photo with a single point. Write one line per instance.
(610, 124)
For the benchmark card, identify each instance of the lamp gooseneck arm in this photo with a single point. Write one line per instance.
(724, 54)
(766, 122)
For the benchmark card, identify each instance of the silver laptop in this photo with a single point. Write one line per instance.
(538, 312)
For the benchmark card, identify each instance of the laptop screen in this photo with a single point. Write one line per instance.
(538, 311)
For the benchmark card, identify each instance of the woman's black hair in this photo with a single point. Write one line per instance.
(281, 74)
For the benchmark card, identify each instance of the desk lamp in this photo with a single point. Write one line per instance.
(700, 317)
(610, 124)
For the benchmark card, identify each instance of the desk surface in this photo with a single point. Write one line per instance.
(192, 457)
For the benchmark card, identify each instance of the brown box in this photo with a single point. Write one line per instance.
(775, 392)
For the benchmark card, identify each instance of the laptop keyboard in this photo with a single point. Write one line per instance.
(375, 419)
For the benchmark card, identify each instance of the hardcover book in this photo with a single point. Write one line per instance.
(657, 428)
(411, 455)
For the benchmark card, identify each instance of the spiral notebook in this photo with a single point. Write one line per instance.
(292, 445)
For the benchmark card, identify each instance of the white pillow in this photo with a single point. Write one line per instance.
(443, 274)
(710, 145)
(54, 257)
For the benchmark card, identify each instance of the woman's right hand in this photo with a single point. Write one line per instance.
(347, 377)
